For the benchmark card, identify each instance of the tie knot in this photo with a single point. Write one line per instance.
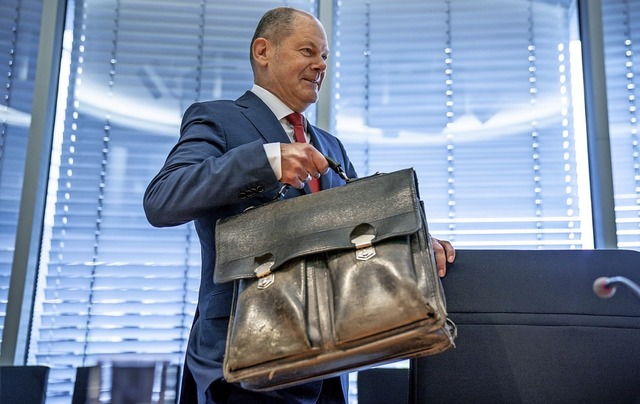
(295, 119)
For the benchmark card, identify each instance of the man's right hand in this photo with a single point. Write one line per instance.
(300, 162)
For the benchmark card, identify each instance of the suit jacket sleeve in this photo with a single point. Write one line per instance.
(217, 165)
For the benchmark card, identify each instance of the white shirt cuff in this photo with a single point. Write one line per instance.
(273, 154)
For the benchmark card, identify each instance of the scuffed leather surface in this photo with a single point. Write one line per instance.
(327, 312)
(271, 323)
(364, 292)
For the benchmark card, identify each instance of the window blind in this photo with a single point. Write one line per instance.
(478, 98)
(19, 31)
(621, 46)
(111, 285)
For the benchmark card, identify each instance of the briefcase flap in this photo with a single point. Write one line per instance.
(369, 210)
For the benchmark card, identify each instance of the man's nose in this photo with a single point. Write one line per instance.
(321, 65)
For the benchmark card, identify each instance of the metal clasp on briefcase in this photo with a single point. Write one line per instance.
(263, 271)
(364, 247)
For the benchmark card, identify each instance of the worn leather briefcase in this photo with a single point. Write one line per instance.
(331, 282)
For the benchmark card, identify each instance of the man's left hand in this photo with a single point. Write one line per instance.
(445, 254)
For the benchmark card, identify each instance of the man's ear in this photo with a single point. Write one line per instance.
(260, 49)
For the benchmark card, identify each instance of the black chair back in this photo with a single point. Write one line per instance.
(531, 330)
(23, 384)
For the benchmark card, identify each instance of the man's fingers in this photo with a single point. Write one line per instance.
(320, 163)
(449, 251)
(307, 178)
(444, 253)
(300, 162)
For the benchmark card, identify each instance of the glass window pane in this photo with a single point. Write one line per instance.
(478, 98)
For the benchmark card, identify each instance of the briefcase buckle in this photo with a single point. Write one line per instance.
(263, 271)
(364, 247)
(266, 281)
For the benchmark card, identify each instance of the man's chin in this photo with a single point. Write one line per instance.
(311, 99)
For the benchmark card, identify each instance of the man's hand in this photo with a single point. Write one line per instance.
(300, 162)
(445, 254)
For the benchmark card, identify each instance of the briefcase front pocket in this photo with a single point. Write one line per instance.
(377, 295)
(328, 304)
(269, 323)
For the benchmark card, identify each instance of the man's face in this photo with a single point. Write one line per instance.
(297, 66)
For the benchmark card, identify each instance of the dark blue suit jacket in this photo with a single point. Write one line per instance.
(219, 168)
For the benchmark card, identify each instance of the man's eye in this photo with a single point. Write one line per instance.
(307, 51)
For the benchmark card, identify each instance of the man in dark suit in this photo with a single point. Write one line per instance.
(235, 154)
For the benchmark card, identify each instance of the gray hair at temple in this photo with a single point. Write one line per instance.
(275, 25)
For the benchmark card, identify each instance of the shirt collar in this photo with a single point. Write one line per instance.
(279, 108)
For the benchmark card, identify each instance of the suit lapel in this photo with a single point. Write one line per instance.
(266, 124)
(262, 118)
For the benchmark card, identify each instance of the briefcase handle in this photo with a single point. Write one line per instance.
(333, 164)
(337, 167)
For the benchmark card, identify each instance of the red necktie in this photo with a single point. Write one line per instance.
(297, 120)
